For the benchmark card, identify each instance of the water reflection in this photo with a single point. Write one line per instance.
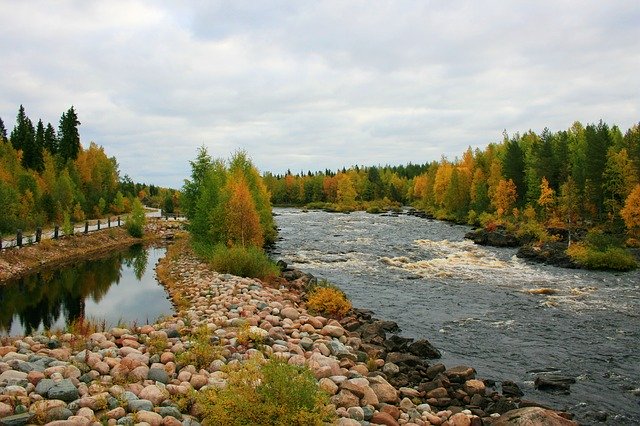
(118, 287)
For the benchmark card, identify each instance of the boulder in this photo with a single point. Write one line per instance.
(424, 349)
(532, 416)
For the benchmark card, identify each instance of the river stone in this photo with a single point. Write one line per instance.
(13, 377)
(139, 405)
(532, 416)
(384, 419)
(390, 369)
(58, 413)
(356, 413)
(460, 373)
(291, 313)
(65, 391)
(153, 419)
(170, 411)
(383, 390)
(158, 375)
(43, 386)
(424, 349)
(17, 419)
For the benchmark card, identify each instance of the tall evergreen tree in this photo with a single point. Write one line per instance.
(513, 168)
(3, 131)
(69, 137)
(22, 131)
(598, 142)
(50, 139)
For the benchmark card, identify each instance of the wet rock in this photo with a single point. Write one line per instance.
(497, 238)
(554, 383)
(424, 349)
(532, 416)
(510, 388)
(396, 343)
(460, 373)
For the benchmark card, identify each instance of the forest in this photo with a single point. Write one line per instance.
(47, 177)
(583, 178)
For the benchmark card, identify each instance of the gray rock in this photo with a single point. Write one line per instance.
(43, 386)
(139, 405)
(170, 411)
(17, 419)
(65, 390)
(158, 375)
(128, 421)
(129, 396)
(112, 403)
(368, 412)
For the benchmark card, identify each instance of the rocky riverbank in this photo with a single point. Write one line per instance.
(130, 375)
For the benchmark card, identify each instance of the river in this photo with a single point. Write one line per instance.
(474, 304)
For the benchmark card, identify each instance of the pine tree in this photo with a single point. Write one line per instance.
(69, 138)
(598, 142)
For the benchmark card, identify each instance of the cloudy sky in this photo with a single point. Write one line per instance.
(315, 84)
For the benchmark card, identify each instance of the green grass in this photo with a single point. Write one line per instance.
(249, 262)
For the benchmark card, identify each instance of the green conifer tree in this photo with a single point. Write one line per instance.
(69, 137)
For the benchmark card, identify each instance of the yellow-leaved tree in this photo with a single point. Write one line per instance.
(504, 196)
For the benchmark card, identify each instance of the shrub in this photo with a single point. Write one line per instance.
(241, 261)
(328, 301)
(611, 258)
(201, 351)
(135, 221)
(271, 393)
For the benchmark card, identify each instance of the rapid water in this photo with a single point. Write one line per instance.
(474, 303)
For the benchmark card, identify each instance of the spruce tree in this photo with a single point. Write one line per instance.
(20, 133)
(50, 140)
(69, 138)
(3, 131)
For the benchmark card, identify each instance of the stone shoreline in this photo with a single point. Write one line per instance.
(132, 376)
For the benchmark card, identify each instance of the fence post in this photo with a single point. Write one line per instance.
(0, 242)
(19, 238)
(98, 224)
(86, 227)
(118, 220)
(109, 222)
(38, 234)
(56, 231)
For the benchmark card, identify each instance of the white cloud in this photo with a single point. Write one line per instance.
(315, 85)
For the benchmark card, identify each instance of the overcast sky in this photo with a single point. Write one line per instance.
(315, 84)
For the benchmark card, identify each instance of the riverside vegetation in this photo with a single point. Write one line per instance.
(544, 189)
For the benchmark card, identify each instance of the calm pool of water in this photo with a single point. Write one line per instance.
(120, 287)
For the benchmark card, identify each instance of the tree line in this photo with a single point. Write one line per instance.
(580, 176)
(48, 177)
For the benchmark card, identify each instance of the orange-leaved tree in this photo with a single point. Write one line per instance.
(241, 217)
(631, 211)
